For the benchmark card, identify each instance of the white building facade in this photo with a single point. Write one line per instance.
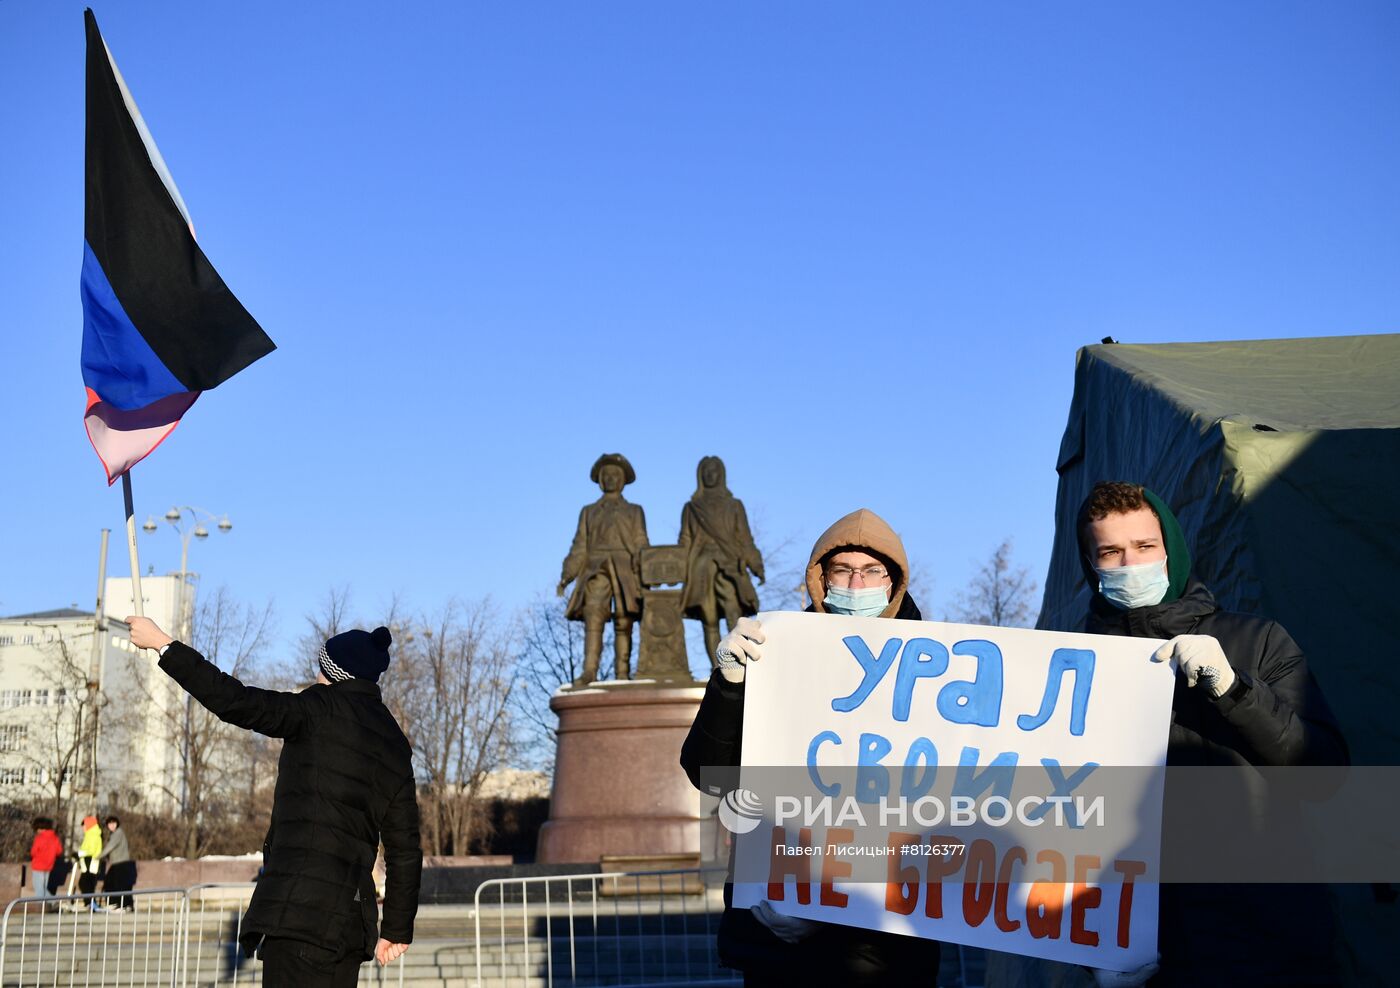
(49, 663)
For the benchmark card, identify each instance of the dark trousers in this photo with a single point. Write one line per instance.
(120, 878)
(297, 964)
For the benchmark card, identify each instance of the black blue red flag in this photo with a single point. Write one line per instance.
(159, 324)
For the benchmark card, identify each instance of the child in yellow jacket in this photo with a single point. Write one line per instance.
(88, 853)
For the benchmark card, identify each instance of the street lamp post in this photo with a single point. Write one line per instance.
(191, 527)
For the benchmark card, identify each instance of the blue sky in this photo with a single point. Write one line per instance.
(851, 248)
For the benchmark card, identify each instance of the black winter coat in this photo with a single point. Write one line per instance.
(1281, 718)
(344, 781)
(1274, 716)
(835, 955)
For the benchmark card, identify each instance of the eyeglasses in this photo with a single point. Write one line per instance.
(841, 574)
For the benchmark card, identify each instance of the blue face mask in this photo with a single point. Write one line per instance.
(1142, 585)
(865, 602)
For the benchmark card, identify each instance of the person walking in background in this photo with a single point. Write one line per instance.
(121, 869)
(344, 781)
(89, 857)
(45, 850)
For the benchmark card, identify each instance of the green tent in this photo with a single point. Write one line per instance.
(1282, 460)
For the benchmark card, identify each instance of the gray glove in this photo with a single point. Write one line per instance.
(738, 648)
(1200, 659)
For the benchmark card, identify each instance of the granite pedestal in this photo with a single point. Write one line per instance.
(618, 786)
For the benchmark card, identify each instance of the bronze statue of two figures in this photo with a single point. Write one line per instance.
(619, 576)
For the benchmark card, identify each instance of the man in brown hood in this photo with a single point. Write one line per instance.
(858, 566)
(860, 553)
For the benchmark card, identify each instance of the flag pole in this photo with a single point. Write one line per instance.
(131, 545)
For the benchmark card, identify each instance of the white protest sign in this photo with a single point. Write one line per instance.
(1009, 829)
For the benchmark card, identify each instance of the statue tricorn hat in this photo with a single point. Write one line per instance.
(616, 459)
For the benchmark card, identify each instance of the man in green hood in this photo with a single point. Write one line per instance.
(1244, 697)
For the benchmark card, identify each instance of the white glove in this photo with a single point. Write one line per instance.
(1200, 659)
(788, 929)
(738, 648)
(1125, 979)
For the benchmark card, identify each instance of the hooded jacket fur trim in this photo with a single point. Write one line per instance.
(866, 531)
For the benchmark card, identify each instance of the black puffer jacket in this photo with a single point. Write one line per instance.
(837, 955)
(1232, 934)
(344, 780)
(1275, 715)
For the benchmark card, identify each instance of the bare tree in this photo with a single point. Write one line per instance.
(62, 749)
(451, 688)
(215, 760)
(1000, 594)
(333, 617)
(784, 564)
(918, 584)
(550, 656)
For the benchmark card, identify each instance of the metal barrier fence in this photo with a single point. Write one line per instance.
(583, 930)
(622, 929)
(166, 936)
(61, 941)
(607, 929)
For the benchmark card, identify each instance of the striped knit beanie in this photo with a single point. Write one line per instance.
(355, 655)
